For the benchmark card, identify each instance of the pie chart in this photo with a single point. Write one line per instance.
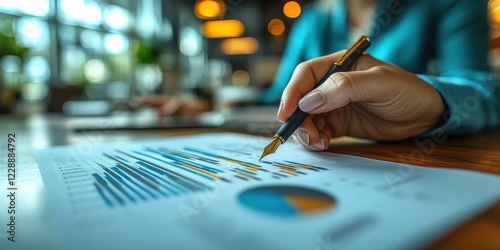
(287, 201)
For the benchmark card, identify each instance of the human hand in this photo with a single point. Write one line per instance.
(376, 100)
(176, 105)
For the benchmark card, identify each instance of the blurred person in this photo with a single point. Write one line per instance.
(389, 94)
(177, 105)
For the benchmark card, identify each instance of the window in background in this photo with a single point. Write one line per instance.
(82, 49)
(25, 70)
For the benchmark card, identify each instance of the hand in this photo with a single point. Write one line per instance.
(376, 100)
(173, 105)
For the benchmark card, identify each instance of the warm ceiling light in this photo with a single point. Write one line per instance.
(208, 9)
(291, 9)
(494, 12)
(276, 27)
(239, 46)
(493, 4)
(495, 15)
(223, 28)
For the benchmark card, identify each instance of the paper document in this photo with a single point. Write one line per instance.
(211, 192)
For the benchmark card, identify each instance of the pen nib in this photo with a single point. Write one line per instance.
(272, 146)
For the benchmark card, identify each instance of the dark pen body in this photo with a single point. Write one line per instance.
(342, 65)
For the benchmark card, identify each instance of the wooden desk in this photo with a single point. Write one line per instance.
(479, 152)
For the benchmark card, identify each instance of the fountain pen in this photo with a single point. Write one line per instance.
(343, 64)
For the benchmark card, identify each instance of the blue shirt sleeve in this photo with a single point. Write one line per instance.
(473, 102)
(471, 93)
(292, 56)
(457, 37)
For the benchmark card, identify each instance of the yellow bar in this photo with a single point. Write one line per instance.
(232, 161)
(282, 166)
(246, 175)
(301, 165)
(254, 169)
(201, 171)
(292, 171)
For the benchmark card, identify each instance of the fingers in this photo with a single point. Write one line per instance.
(336, 92)
(165, 105)
(170, 107)
(309, 73)
(303, 80)
(314, 133)
(345, 87)
(156, 101)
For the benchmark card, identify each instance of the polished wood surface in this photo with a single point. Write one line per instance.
(479, 152)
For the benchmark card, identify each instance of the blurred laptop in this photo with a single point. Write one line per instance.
(256, 119)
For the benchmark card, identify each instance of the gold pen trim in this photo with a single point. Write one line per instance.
(351, 50)
(279, 138)
(362, 44)
(273, 145)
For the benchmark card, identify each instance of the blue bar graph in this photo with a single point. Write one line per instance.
(148, 174)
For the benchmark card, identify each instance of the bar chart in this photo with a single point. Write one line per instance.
(249, 171)
(179, 188)
(122, 177)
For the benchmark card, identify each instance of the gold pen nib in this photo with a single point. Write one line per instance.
(272, 146)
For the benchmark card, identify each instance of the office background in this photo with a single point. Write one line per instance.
(52, 51)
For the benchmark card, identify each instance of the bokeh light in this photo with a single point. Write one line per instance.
(208, 9)
(239, 46)
(292, 9)
(95, 70)
(71, 10)
(91, 40)
(240, 78)
(34, 91)
(116, 18)
(32, 33)
(190, 42)
(494, 11)
(8, 5)
(87, 13)
(223, 28)
(116, 44)
(93, 14)
(276, 27)
(149, 76)
(10, 64)
(34, 7)
(37, 69)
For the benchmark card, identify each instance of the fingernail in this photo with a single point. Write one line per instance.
(303, 136)
(312, 100)
(319, 145)
(279, 110)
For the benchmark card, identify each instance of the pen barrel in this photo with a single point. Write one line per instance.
(287, 129)
(344, 64)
